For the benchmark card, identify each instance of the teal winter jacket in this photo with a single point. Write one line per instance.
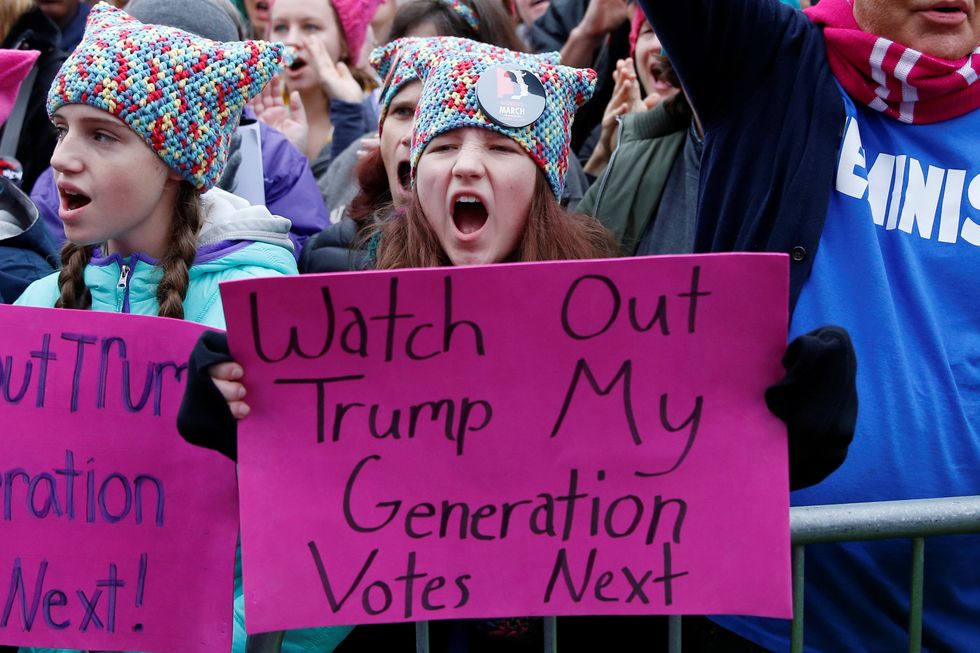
(237, 241)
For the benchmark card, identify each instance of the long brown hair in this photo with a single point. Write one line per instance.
(179, 256)
(550, 234)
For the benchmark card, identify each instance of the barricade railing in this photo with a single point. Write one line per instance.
(915, 519)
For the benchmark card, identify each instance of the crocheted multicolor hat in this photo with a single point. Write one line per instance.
(14, 66)
(520, 96)
(465, 11)
(181, 94)
(395, 62)
(355, 16)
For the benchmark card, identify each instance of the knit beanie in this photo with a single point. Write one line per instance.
(465, 11)
(201, 17)
(14, 67)
(395, 61)
(355, 17)
(183, 95)
(520, 96)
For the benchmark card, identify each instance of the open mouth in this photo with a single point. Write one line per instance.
(298, 64)
(405, 174)
(655, 73)
(262, 9)
(72, 201)
(469, 214)
(659, 79)
(947, 12)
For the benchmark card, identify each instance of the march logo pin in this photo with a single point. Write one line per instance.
(510, 96)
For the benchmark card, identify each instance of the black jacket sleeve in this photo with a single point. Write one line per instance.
(723, 50)
(204, 418)
(818, 401)
(332, 250)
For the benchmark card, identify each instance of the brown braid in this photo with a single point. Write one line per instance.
(181, 250)
(71, 280)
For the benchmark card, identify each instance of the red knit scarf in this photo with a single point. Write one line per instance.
(891, 78)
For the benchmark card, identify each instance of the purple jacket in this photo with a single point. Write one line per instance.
(290, 190)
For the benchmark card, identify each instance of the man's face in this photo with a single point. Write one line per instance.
(948, 29)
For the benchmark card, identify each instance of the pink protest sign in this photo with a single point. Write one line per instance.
(115, 534)
(532, 439)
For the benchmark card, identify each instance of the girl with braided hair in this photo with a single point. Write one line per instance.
(144, 121)
(143, 130)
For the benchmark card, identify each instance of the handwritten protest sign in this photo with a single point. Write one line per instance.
(115, 534)
(532, 439)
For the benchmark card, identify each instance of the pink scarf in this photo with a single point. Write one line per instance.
(892, 78)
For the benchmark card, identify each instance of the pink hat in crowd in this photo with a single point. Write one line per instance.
(355, 17)
(635, 24)
(14, 66)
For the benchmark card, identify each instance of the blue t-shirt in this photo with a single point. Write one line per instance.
(898, 265)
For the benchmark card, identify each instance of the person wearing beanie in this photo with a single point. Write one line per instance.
(487, 163)
(514, 195)
(328, 108)
(25, 251)
(144, 115)
(289, 188)
(142, 133)
(382, 174)
(491, 140)
(478, 20)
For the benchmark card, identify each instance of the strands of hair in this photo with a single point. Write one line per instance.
(551, 234)
(180, 253)
(71, 280)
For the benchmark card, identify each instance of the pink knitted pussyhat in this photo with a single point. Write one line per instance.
(14, 66)
(636, 22)
(355, 17)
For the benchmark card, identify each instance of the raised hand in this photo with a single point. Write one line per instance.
(603, 16)
(290, 119)
(335, 77)
(625, 99)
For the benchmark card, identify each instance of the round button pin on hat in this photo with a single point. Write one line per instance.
(510, 96)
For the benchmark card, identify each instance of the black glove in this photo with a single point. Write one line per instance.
(204, 418)
(818, 401)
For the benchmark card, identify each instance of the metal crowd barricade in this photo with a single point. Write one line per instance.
(914, 519)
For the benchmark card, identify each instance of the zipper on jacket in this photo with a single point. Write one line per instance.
(608, 170)
(123, 284)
